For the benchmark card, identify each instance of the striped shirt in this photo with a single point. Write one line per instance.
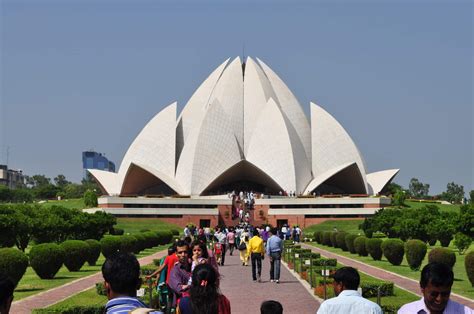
(124, 305)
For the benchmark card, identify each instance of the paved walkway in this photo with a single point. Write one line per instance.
(401, 281)
(246, 296)
(60, 293)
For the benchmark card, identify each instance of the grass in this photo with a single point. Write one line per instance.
(134, 225)
(350, 226)
(31, 284)
(442, 207)
(87, 297)
(461, 283)
(77, 203)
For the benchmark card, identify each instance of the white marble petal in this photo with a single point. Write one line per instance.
(378, 180)
(109, 181)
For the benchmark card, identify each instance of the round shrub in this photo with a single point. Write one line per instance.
(128, 243)
(13, 263)
(442, 255)
(75, 254)
(393, 250)
(175, 232)
(109, 245)
(164, 236)
(333, 238)
(116, 231)
(327, 238)
(46, 259)
(350, 242)
(141, 242)
(341, 240)
(152, 239)
(359, 246)
(469, 265)
(415, 251)
(445, 240)
(317, 236)
(374, 248)
(94, 251)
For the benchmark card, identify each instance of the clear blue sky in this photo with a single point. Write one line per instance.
(78, 75)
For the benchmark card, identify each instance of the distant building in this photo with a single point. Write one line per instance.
(94, 160)
(11, 178)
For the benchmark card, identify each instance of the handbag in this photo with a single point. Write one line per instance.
(242, 246)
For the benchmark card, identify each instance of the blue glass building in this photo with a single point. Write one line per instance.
(94, 160)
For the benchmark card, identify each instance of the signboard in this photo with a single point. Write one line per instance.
(325, 272)
(141, 292)
(307, 262)
(297, 255)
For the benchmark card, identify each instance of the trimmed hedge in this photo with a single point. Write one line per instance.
(442, 255)
(128, 244)
(469, 265)
(341, 240)
(393, 250)
(325, 262)
(318, 236)
(110, 245)
(13, 263)
(374, 248)
(72, 309)
(369, 289)
(416, 252)
(75, 254)
(350, 242)
(174, 232)
(46, 259)
(94, 251)
(359, 246)
(151, 238)
(333, 238)
(164, 236)
(327, 238)
(116, 231)
(141, 242)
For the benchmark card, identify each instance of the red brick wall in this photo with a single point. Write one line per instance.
(110, 205)
(191, 219)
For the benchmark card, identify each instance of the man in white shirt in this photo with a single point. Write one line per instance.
(435, 283)
(348, 300)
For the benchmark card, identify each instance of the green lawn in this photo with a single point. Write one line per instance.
(31, 284)
(134, 225)
(442, 207)
(77, 203)
(350, 226)
(461, 284)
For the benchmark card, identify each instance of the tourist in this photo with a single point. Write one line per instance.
(348, 300)
(274, 250)
(435, 284)
(186, 231)
(256, 252)
(244, 242)
(121, 273)
(181, 272)
(6, 293)
(204, 296)
(271, 307)
(199, 255)
(283, 232)
(221, 238)
(231, 240)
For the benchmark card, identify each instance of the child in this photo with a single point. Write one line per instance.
(200, 255)
(218, 252)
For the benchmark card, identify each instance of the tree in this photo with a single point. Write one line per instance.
(39, 180)
(466, 220)
(60, 181)
(418, 189)
(90, 199)
(399, 198)
(454, 193)
(471, 196)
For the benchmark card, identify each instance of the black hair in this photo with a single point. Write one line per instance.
(188, 241)
(202, 245)
(182, 243)
(171, 250)
(438, 274)
(274, 231)
(271, 307)
(255, 232)
(6, 290)
(348, 276)
(122, 272)
(204, 292)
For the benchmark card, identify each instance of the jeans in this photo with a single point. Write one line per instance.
(231, 248)
(256, 259)
(223, 254)
(275, 265)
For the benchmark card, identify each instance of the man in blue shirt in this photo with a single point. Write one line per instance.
(348, 300)
(121, 274)
(274, 249)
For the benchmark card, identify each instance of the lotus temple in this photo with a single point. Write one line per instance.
(243, 130)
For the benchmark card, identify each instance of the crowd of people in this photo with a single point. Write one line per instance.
(189, 279)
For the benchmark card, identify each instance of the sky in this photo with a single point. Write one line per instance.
(89, 74)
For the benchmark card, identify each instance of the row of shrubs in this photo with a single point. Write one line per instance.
(47, 258)
(393, 250)
(369, 289)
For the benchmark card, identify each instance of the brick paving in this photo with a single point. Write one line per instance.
(245, 296)
(60, 293)
(401, 281)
